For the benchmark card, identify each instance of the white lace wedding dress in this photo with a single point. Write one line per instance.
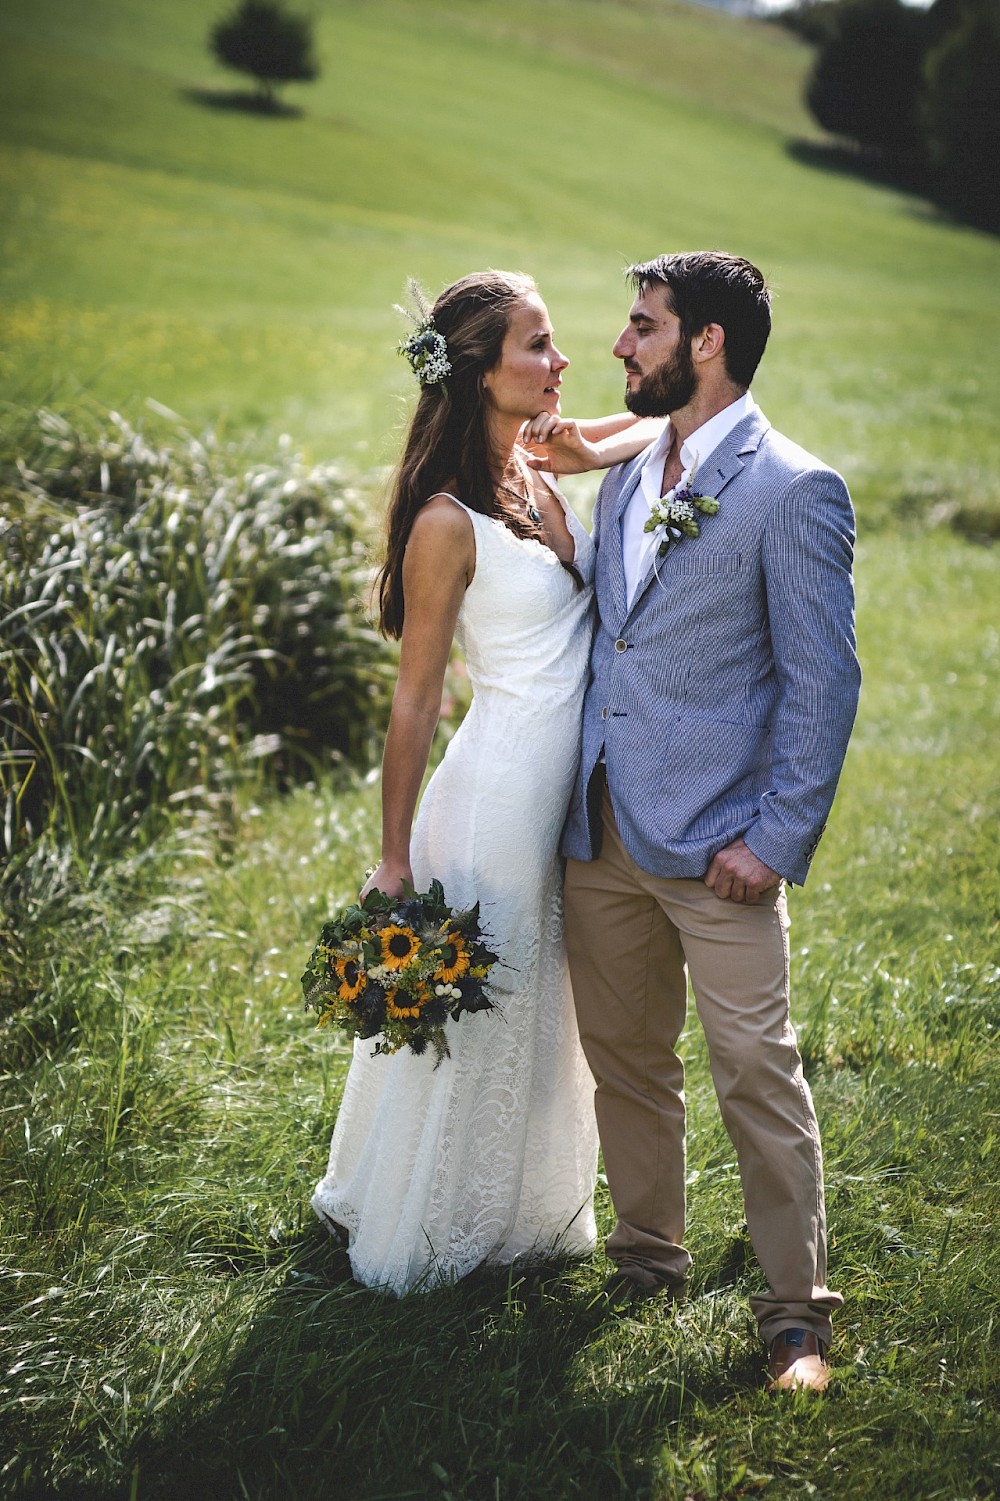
(493, 1155)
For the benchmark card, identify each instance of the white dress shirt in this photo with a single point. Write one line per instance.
(638, 545)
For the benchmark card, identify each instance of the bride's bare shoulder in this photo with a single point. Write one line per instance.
(442, 528)
(441, 516)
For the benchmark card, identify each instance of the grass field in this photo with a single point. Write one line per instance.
(176, 1325)
(179, 1327)
(232, 265)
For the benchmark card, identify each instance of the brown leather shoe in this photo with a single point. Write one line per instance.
(798, 1359)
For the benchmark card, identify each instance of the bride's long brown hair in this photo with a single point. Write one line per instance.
(447, 444)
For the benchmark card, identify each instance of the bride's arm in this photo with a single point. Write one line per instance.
(562, 446)
(596, 428)
(437, 568)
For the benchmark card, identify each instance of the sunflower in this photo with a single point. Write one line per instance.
(398, 945)
(352, 977)
(454, 959)
(398, 1004)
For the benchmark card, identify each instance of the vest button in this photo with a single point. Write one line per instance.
(604, 713)
(621, 645)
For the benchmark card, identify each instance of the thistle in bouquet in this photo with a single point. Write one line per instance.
(398, 969)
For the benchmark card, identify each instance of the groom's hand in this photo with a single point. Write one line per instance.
(736, 875)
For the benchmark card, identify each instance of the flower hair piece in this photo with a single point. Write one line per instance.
(426, 348)
(427, 353)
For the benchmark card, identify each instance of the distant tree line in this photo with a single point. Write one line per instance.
(915, 90)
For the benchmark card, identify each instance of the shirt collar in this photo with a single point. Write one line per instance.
(697, 446)
(706, 439)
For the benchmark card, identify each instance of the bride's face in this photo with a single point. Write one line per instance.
(527, 377)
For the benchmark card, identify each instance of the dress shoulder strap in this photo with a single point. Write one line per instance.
(474, 516)
(449, 496)
(476, 532)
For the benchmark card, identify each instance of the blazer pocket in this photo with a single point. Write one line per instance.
(688, 558)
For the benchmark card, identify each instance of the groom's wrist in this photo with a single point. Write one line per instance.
(782, 855)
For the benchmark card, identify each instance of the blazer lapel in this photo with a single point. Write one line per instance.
(616, 560)
(721, 466)
(727, 460)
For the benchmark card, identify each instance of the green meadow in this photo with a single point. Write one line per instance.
(244, 269)
(173, 1323)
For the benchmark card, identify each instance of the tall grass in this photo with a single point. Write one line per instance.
(173, 618)
(168, 617)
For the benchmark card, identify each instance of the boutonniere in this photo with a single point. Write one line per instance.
(678, 516)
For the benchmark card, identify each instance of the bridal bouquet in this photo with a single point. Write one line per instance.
(397, 968)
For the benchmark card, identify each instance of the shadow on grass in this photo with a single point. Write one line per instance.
(243, 101)
(511, 1383)
(906, 173)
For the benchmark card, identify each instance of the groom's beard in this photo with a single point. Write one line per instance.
(666, 389)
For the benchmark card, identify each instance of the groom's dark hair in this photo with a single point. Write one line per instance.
(708, 286)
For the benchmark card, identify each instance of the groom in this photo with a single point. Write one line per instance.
(723, 690)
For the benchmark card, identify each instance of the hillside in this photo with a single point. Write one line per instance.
(234, 267)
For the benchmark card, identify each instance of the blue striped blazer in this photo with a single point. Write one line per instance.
(723, 698)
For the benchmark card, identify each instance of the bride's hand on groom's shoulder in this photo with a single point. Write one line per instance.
(386, 879)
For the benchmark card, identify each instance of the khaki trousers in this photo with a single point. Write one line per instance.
(632, 937)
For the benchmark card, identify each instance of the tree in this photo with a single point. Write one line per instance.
(962, 111)
(273, 46)
(918, 90)
(868, 74)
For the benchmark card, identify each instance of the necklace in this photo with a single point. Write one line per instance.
(533, 513)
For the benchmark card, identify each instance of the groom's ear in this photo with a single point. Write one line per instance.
(708, 344)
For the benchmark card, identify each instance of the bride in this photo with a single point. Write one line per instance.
(492, 1155)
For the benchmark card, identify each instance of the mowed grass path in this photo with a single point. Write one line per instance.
(234, 266)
